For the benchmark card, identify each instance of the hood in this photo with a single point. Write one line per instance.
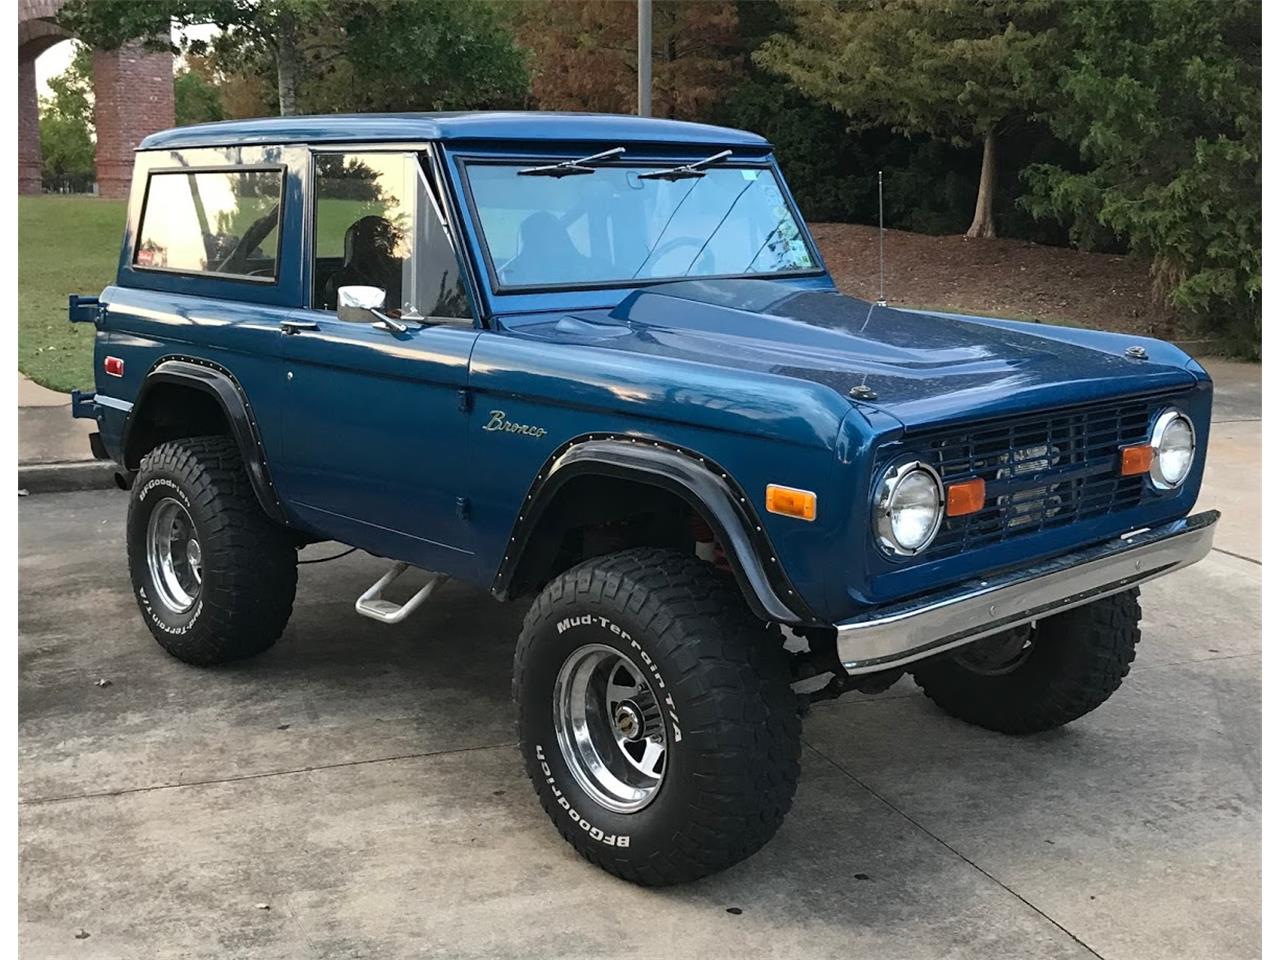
(918, 367)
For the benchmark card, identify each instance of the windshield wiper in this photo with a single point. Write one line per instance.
(687, 171)
(570, 168)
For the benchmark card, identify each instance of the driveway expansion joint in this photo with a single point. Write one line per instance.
(150, 788)
(937, 839)
(1238, 556)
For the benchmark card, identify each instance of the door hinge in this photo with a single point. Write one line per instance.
(464, 400)
(463, 507)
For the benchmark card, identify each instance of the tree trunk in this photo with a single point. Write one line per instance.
(984, 223)
(287, 63)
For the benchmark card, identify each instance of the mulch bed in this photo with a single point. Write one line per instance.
(1007, 278)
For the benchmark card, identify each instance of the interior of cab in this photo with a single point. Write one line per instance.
(369, 258)
(364, 217)
(622, 222)
(376, 225)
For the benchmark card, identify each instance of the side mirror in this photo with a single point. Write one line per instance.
(364, 305)
(357, 304)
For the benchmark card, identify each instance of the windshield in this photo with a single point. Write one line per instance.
(614, 226)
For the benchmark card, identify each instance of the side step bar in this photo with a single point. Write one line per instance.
(372, 605)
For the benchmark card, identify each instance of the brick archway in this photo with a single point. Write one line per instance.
(132, 93)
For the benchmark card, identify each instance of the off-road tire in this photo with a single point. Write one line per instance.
(249, 564)
(724, 691)
(1076, 662)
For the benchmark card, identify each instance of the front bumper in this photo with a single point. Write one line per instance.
(899, 634)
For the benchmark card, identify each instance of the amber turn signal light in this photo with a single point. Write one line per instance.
(790, 502)
(1136, 459)
(966, 497)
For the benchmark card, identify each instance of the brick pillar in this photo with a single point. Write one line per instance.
(132, 97)
(29, 158)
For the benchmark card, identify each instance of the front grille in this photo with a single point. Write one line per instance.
(1044, 470)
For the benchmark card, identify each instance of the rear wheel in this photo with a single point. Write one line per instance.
(656, 716)
(213, 576)
(1040, 676)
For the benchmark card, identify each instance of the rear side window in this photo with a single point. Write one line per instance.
(222, 222)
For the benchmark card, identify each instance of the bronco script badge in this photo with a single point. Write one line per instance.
(498, 421)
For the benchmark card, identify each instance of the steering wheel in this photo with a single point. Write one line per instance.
(248, 242)
(676, 243)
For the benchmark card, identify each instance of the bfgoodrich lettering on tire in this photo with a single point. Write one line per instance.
(656, 716)
(215, 579)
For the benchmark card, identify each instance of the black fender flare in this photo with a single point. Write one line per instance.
(700, 482)
(217, 382)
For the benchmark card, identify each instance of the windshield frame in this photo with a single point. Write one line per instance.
(465, 161)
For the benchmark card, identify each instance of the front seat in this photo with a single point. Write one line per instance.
(545, 253)
(369, 259)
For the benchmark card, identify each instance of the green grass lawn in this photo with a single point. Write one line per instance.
(72, 245)
(65, 245)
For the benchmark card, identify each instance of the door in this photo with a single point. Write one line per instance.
(375, 426)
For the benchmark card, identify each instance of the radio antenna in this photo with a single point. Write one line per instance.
(880, 179)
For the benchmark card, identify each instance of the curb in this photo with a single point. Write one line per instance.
(67, 476)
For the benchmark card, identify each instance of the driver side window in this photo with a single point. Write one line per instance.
(377, 225)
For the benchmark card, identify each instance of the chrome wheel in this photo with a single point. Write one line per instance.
(610, 728)
(174, 556)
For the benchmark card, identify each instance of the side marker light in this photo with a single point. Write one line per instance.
(791, 502)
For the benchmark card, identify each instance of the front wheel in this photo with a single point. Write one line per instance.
(213, 576)
(656, 716)
(1042, 675)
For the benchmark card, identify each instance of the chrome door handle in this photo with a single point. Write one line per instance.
(297, 326)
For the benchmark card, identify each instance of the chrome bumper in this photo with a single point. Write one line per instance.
(894, 635)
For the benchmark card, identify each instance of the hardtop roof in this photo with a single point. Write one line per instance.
(474, 126)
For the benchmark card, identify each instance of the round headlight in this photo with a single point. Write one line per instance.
(908, 508)
(1174, 441)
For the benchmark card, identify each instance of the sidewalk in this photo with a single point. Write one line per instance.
(53, 449)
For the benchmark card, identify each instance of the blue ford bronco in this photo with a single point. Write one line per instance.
(598, 362)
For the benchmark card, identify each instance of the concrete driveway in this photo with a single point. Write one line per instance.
(356, 792)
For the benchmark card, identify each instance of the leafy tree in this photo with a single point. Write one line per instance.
(410, 55)
(1163, 98)
(267, 25)
(196, 98)
(222, 88)
(584, 54)
(947, 69)
(66, 121)
(328, 55)
(266, 31)
(245, 77)
(109, 24)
